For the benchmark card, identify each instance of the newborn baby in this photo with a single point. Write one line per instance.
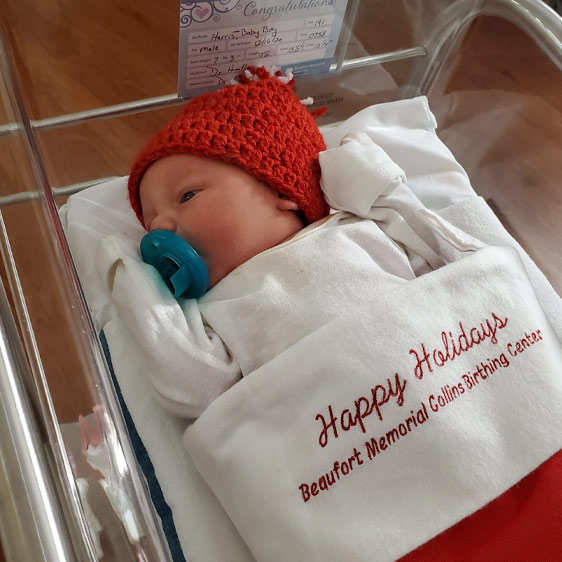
(237, 175)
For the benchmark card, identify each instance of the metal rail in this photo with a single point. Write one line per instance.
(159, 102)
(28, 498)
(24, 474)
(41, 524)
(61, 533)
(533, 17)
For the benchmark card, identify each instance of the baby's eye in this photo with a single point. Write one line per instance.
(188, 195)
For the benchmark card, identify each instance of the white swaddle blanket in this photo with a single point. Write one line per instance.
(406, 130)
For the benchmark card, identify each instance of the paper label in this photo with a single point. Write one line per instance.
(220, 38)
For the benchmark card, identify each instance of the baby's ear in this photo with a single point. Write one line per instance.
(284, 204)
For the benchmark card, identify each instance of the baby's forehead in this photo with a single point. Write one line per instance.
(153, 188)
(164, 173)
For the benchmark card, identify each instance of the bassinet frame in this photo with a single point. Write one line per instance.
(49, 513)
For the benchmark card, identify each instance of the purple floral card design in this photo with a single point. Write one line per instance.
(199, 12)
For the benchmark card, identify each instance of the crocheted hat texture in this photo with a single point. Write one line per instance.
(260, 126)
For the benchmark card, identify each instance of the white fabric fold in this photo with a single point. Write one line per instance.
(405, 129)
(356, 161)
(188, 364)
(460, 240)
(359, 177)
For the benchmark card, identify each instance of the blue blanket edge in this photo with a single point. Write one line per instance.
(143, 458)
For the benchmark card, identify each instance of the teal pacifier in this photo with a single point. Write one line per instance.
(180, 266)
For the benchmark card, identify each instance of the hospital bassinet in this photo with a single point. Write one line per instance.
(491, 70)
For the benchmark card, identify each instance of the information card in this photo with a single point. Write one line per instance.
(220, 38)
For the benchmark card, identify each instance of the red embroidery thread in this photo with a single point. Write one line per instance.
(454, 346)
(524, 343)
(363, 407)
(330, 478)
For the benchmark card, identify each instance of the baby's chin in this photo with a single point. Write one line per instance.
(219, 270)
(217, 274)
(216, 269)
(222, 262)
(215, 279)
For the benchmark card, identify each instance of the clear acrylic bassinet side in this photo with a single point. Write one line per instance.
(55, 505)
(495, 87)
(100, 148)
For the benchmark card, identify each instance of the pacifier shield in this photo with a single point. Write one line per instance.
(180, 266)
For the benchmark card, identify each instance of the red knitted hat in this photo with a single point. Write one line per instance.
(260, 126)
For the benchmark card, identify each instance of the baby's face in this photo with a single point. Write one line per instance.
(226, 215)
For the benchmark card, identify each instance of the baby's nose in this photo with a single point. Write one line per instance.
(163, 222)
